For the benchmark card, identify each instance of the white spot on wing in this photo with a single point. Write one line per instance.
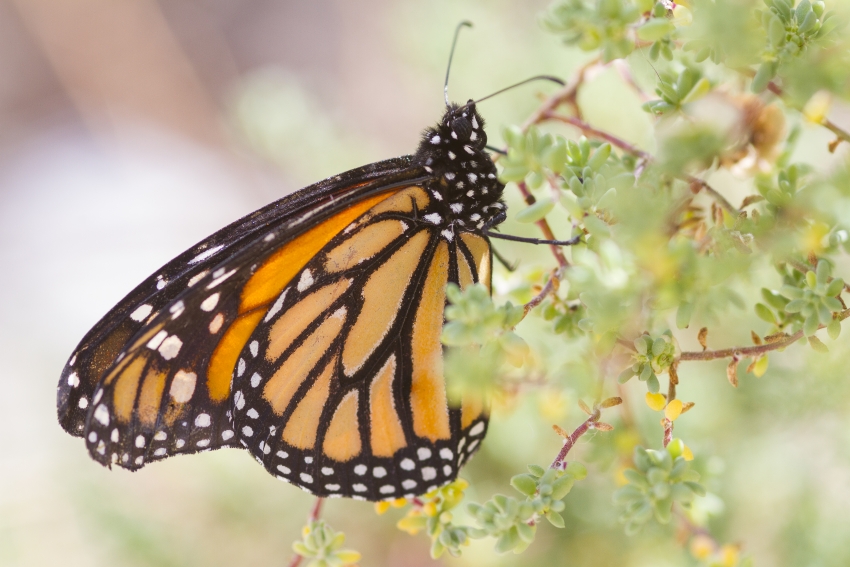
(183, 386)
(206, 254)
(203, 420)
(276, 307)
(141, 312)
(221, 278)
(101, 413)
(209, 303)
(433, 218)
(157, 339)
(170, 347)
(305, 281)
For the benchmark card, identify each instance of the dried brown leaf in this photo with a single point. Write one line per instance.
(755, 337)
(702, 337)
(732, 372)
(750, 200)
(584, 407)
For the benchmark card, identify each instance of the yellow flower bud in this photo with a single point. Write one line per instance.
(381, 507)
(687, 454)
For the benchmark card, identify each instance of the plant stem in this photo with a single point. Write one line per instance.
(570, 441)
(314, 515)
(757, 350)
(592, 132)
(827, 123)
(550, 287)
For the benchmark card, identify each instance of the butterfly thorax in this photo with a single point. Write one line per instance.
(464, 184)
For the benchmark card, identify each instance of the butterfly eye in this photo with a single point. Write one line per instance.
(462, 127)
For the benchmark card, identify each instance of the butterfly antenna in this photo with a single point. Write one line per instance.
(519, 84)
(463, 24)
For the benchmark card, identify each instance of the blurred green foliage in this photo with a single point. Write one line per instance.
(723, 238)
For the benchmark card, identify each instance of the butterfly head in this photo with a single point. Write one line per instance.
(463, 176)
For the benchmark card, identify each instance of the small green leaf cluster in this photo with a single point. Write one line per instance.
(603, 25)
(790, 31)
(782, 191)
(590, 174)
(652, 356)
(660, 29)
(473, 319)
(661, 479)
(321, 545)
(677, 89)
(815, 300)
(565, 315)
(513, 522)
(435, 517)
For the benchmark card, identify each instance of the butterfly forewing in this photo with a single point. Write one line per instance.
(115, 354)
(340, 388)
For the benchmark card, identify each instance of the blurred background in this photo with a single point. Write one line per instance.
(130, 130)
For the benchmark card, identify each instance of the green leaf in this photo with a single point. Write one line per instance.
(536, 211)
(555, 519)
(765, 314)
(683, 314)
(834, 329)
(525, 483)
(652, 383)
(576, 470)
(817, 345)
(599, 157)
(765, 73)
(655, 29)
(562, 487)
(810, 326)
(536, 470)
(835, 287)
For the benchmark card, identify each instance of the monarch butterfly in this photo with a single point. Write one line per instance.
(307, 332)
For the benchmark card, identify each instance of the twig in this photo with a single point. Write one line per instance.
(550, 287)
(314, 515)
(592, 132)
(757, 350)
(826, 122)
(570, 440)
(568, 94)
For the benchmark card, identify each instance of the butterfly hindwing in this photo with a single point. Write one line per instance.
(340, 387)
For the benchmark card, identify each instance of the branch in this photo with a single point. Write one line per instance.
(570, 440)
(757, 350)
(550, 287)
(826, 123)
(591, 422)
(592, 132)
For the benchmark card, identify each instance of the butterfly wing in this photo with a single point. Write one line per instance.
(339, 389)
(112, 387)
